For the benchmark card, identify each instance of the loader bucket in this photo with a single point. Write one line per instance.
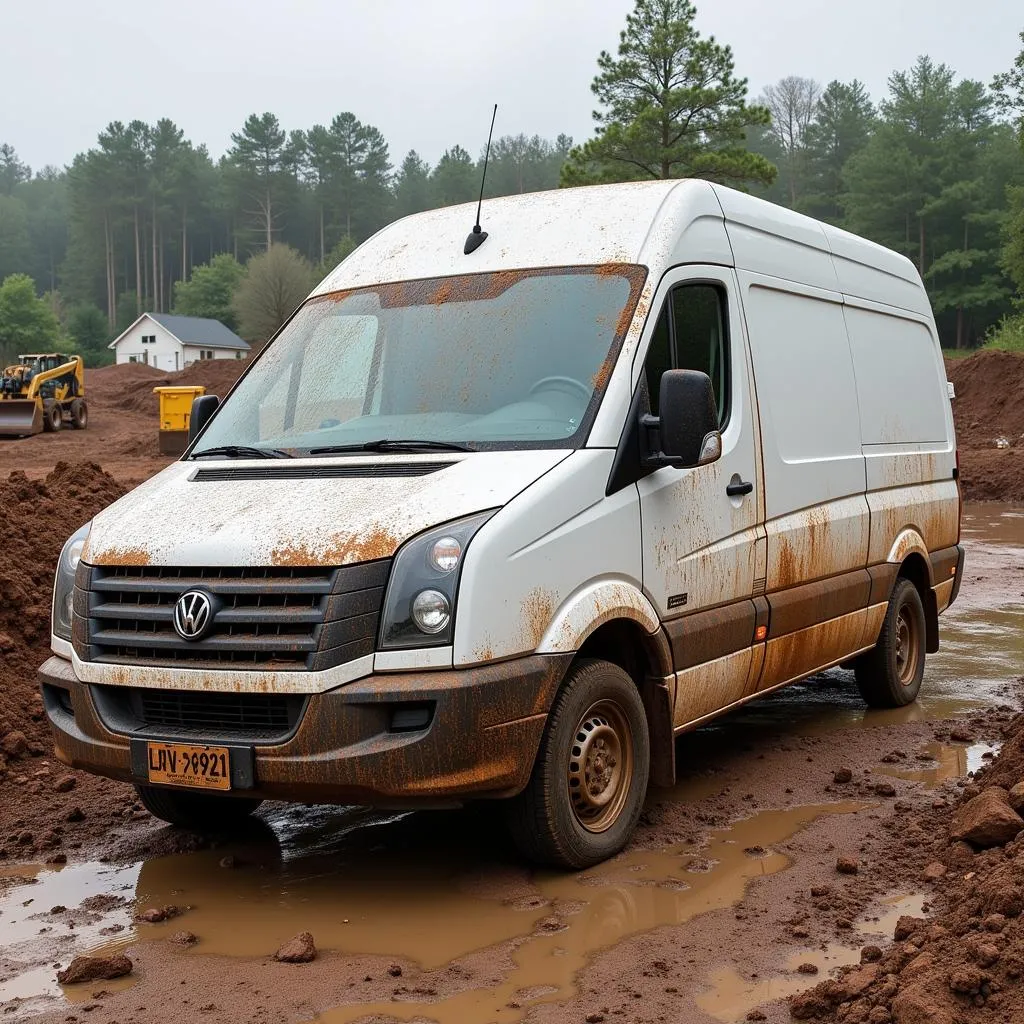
(20, 416)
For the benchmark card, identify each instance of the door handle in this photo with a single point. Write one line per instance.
(738, 489)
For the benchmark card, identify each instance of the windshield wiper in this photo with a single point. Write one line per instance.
(243, 451)
(387, 444)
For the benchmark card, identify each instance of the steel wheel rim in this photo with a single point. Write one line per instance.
(908, 644)
(600, 766)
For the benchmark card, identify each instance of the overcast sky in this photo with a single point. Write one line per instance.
(423, 71)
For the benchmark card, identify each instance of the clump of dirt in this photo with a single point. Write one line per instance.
(39, 801)
(965, 962)
(989, 411)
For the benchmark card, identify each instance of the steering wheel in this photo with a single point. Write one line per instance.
(562, 384)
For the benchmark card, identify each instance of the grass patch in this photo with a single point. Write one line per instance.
(958, 353)
(1007, 335)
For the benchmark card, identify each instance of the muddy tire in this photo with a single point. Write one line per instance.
(53, 417)
(590, 777)
(196, 811)
(79, 414)
(890, 674)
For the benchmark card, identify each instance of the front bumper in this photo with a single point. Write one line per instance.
(482, 738)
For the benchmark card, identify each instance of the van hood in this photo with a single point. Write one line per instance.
(254, 513)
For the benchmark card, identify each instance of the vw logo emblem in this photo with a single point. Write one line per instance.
(193, 614)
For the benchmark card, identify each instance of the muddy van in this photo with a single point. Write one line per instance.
(505, 523)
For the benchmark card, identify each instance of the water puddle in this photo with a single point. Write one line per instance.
(50, 915)
(353, 884)
(730, 996)
(994, 523)
(948, 761)
(638, 892)
(882, 926)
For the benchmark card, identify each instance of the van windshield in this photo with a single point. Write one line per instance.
(499, 360)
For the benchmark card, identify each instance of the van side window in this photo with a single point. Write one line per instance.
(691, 335)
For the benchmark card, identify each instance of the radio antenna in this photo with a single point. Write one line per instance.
(477, 237)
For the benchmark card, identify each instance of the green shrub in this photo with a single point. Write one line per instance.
(1007, 335)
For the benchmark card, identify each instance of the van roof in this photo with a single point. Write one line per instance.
(635, 222)
(564, 227)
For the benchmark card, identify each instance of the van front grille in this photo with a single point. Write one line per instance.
(199, 715)
(273, 618)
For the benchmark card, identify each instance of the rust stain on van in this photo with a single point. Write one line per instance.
(121, 556)
(376, 543)
(538, 607)
(808, 650)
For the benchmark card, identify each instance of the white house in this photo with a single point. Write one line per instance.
(172, 342)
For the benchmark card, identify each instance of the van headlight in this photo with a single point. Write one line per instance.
(64, 584)
(419, 610)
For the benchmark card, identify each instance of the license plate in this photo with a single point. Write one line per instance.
(183, 764)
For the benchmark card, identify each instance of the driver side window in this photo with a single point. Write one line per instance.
(691, 334)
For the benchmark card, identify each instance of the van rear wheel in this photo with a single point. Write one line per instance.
(590, 777)
(196, 811)
(890, 674)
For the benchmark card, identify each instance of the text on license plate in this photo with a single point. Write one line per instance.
(182, 764)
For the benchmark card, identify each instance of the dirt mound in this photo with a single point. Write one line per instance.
(216, 375)
(967, 961)
(129, 386)
(989, 406)
(989, 400)
(36, 518)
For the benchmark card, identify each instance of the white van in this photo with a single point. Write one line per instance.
(506, 523)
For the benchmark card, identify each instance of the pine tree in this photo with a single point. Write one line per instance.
(671, 106)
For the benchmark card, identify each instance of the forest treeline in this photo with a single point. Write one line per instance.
(148, 220)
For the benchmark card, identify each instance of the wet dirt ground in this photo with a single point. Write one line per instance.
(727, 901)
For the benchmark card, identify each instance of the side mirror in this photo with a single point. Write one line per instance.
(203, 408)
(688, 422)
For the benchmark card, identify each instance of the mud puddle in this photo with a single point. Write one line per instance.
(947, 761)
(730, 996)
(350, 880)
(49, 914)
(583, 913)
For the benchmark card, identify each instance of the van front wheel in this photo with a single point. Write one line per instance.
(890, 674)
(199, 812)
(590, 777)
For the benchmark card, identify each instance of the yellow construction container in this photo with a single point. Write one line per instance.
(175, 410)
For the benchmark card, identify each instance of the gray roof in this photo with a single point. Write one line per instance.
(198, 330)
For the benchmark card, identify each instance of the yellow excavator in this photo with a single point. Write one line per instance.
(40, 391)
